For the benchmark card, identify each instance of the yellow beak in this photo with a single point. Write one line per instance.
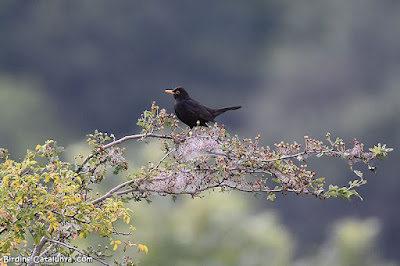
(169, 91)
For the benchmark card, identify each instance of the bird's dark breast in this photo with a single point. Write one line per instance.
(191, 112)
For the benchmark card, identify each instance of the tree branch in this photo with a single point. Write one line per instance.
(162, 159)
(77, 250)
(112, 191)
(70, 216)
(2, 230)
(201, 176)
(196, 190)
(115, 189)
(119, 141)
(36, 250)
(46, 250)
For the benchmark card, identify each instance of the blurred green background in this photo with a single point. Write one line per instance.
(297, 67)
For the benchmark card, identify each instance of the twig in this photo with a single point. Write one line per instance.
(285, 157)
(119, 141)
(116, 192)
(265, 190)
(162, 159)
(137, 136)
(70, 216)
(121, 233)
(46, 250)
(77, 250)
(115, 189)
(2, 230)
(290, 156)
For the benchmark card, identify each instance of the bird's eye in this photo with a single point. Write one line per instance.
(177, 92)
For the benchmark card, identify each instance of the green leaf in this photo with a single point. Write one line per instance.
(333, 188)
(277, 180)
(271, 197)
(359, 173)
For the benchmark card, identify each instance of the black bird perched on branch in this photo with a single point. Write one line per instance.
(190, 111)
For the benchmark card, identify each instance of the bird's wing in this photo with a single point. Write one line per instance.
(197, 109)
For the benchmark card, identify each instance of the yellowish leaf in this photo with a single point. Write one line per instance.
(143, 248)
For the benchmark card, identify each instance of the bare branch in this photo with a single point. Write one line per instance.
(46, 250)
(77, 250)
(113, 190)
(36, 250)
(138, 136)
(200, 176)
(2, 230)
(70, 216)
(162, 159)
(119, 141)
(183, 185)
(290, 156)
(120, 233)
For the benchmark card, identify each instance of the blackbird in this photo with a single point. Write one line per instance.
(190, 111)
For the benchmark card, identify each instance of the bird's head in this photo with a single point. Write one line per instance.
(179, 93)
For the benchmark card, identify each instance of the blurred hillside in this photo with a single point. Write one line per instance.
(303, 68)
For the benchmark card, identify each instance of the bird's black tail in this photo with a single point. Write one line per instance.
(219, 111)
